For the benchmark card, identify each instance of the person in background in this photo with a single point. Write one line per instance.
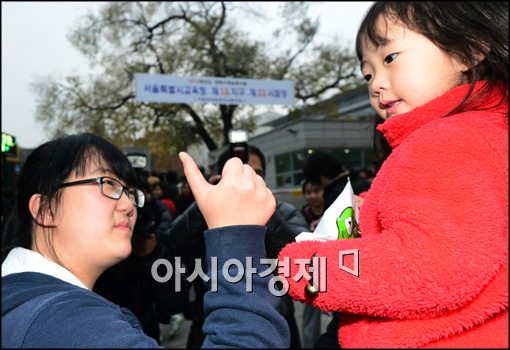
(314, 207)
(312, 211)
(75, 212)
(159, 190)
(432, 260)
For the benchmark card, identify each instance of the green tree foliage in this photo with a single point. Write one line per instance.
(187, 39)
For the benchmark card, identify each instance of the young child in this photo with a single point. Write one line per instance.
(433, 254)
(76, 209)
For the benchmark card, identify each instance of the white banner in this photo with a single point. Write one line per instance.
(228, 91)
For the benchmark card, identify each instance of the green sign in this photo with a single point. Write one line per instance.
(9, 146)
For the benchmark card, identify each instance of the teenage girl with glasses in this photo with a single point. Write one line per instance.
(76, 210)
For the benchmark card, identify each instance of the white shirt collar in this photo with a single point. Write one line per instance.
(26, 260)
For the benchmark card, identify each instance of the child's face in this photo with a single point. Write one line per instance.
(313, 194)
(93, 231)
(407, 72)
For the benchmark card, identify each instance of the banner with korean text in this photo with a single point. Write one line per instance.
(165, 88)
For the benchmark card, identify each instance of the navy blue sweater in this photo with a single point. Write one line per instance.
(41, 311)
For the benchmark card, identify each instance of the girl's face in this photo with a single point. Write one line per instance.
(93, 232)
(408, 71)
(313, 194)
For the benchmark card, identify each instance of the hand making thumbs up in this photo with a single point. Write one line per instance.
(240, 198)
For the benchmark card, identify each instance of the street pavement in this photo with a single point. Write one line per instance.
(179, 338)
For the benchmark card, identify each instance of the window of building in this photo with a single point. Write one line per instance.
(289, 166)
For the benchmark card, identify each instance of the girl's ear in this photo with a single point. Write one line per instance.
(43, 218)
(477, 57)
(461, 65)
(464, 67)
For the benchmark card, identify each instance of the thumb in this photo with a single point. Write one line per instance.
(196, 180)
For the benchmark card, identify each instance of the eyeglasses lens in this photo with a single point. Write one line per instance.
(114, 189)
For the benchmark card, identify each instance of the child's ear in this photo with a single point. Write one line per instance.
(477, 56)
(462, 65)
(43, 218)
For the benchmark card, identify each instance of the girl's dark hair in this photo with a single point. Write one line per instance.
(46, 168)
(468, 30)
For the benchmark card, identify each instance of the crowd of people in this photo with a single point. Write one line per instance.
(85, 235)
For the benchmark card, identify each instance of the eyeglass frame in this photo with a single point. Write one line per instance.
(140, 196)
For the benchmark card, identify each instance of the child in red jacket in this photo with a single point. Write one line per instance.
(431, 266)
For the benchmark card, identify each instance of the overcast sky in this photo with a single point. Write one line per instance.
(34, 44)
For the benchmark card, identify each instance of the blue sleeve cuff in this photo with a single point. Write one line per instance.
(235, 242)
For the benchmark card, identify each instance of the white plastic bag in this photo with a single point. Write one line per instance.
(339, 221)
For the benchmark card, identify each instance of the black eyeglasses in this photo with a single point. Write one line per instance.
(113, 189)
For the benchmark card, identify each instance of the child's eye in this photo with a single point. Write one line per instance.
(390, 58)
(367, 77)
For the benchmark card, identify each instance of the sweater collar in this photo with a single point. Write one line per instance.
(397, 128)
